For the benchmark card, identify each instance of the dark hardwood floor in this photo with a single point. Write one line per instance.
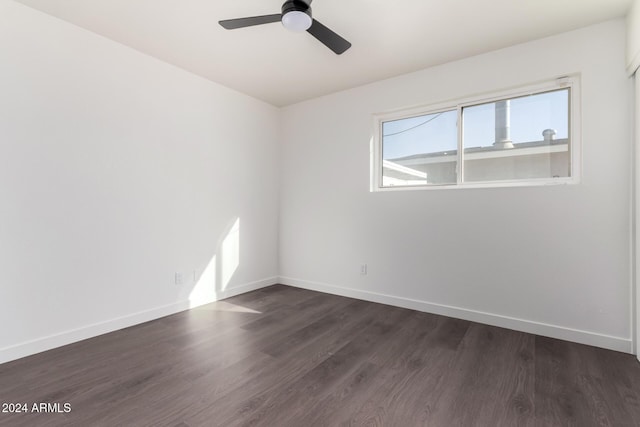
(283, 356)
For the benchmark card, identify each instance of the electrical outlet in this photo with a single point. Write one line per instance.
(179, 280)
(363, 269)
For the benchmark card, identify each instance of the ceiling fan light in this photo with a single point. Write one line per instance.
(296, 20)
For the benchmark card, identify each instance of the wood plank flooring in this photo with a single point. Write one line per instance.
(283, 356)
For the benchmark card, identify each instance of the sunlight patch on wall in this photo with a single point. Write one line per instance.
(230, 254)
(216, 276)
(205, 289)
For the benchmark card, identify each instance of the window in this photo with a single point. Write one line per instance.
(527, 136)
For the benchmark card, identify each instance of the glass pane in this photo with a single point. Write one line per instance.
(519, 138)
(420, 150)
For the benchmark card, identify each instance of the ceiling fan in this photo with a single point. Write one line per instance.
(295, 16)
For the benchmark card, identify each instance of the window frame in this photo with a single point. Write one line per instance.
(572, 82)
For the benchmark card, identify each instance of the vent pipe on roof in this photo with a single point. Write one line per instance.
(549, 135)
(503, 125)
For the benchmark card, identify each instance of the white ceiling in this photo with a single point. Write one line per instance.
(280, 67)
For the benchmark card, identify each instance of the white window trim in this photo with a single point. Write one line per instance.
(568, 81)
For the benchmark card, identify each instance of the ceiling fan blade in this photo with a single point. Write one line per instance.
(328, 38)
(232, 24)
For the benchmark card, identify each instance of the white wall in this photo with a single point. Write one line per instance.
(116, 171)
(633, 62)
(633, 37)
(552, 260)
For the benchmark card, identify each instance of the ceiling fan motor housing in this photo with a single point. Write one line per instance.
(296, 15)
(296, 6)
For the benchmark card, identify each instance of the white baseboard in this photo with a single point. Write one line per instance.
(583, 337)
(31, 347)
